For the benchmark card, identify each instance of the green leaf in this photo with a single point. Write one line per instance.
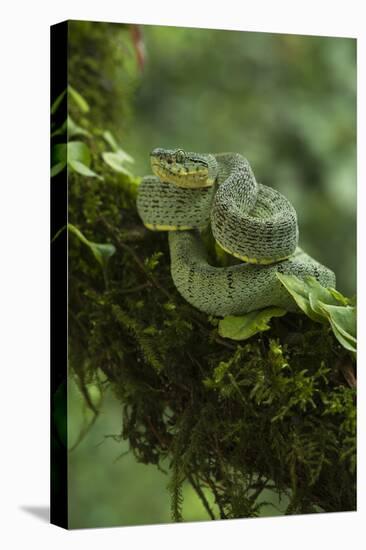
(75, 96)
(299, 290)
(58, 158)
(74, 129)
(59, 153)
(82, 169)
(78, 99)
(55, 105)
(58, 233)
(76, 155)
(318, 293)
(57, 168)
(101, 252)
(343, 323)
(340, 298)
(115, 161)
(79, 151)
(73, 229)
(324, 305)
(245, 326)
(117, 158)
(109, 138)
(74, 150)
(60, 130)
(71, 128)
(345, 342)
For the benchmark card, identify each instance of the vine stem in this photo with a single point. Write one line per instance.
(201, 495)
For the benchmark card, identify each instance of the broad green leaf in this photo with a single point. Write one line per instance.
(340, 298)
(115, 161)
(82, 169)
(318, 294)
(74, 129)
(245, 326)
(117, 158)
(101, 252)
(71, 128)
(328, 295)
(343, 322)
(109, 138)
(77, 156)
(344, 341)
(299, 290)
(79, 151)
(78, 99)
(324, 305)
(74, 150)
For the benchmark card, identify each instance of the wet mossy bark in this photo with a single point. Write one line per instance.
(277, 411)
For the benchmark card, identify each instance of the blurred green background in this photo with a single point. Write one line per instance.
(288, 103)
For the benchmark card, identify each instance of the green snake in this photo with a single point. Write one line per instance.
(250, 221)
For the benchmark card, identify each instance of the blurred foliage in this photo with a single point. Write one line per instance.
(233, 424)
(102, 67)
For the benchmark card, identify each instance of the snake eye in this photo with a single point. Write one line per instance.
(180, 156)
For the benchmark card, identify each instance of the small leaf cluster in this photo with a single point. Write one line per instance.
(325, 305)
(76, 155)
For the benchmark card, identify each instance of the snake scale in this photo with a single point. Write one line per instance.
(250, 221)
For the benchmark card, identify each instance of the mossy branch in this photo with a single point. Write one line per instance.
(233, 418)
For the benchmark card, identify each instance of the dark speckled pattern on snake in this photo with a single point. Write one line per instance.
(251, 221)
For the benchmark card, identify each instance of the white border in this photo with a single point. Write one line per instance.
(24, 219)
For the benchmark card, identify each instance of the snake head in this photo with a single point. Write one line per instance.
(192, 170)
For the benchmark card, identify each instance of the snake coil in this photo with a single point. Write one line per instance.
(250, 221)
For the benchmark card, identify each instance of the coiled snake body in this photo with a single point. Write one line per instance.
(251, 221)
